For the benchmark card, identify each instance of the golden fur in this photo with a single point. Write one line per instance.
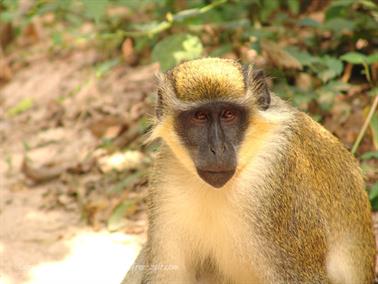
(296, 210)
(221, 78)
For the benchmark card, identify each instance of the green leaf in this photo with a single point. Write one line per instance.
(57, 38)
(373, 192)
(368, 4)
(339, 25)
(332, 68)
(175, 49)
(104, 67)
(308, 22)
(301, 100)
(294, 6)
(7, 16)
(373, 92)
(327, 94)
(219, 51)
(370, 155)
(342, 3)
(336, 86)
(10, 10)
(326, 100)
(325, 67)
(374, 129)
(338, 9)
(24, 105)
(374, 204)
(95, 9)
(146, 27)
(354, 58)
(303, 57)
(260, 34)
(144, 124)
(139, 5)
(372, 58)
(129, 181)
(117, 218)
(183, 15)
(267, 8)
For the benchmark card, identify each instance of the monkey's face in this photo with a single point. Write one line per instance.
(203, 110)
(212, 133)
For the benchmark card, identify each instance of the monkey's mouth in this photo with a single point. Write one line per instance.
(216, 179)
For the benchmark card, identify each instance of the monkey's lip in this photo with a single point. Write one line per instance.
(217, 172)
(216, 179)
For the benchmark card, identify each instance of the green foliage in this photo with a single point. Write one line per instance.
(117, 219)
(324, 67)
(327, 67)
(106, 66)
(374, 128)
(95, 9)
(24, 105)
(354, 58)
(8, 11)
(175, 49)
(373, 196)
(177, 29)
(129, 181)
(359, 58)
(370, 155)
(331, 42)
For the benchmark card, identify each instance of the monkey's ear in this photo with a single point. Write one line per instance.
(165, 95)
(261, 89)
(255, 82)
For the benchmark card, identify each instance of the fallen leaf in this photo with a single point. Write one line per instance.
(279, 57)
(128, 52)
(41, 174)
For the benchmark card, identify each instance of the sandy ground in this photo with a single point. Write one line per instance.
(39, 246)
(41, 242)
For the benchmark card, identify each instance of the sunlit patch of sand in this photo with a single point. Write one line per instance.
(93, 258)
(5, 280)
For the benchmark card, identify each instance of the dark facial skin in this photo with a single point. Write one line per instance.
(212, 133)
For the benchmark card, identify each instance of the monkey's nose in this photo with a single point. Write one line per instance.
(218, 149)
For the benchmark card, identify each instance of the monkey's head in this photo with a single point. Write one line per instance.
(204, 109)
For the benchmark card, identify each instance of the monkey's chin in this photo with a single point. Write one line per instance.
(216, 179)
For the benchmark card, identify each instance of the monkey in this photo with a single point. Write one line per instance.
(248, 189)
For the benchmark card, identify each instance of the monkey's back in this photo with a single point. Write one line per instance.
(319, 201)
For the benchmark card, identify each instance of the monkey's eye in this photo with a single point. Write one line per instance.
(200, 116)
(228, 115)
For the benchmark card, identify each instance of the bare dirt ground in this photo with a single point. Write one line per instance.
(54, 172)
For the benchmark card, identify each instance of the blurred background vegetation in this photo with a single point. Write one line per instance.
(322, 56)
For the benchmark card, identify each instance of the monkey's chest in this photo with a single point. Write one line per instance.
(219, 238)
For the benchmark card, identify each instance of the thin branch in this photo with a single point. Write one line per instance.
(171, 19)
(365, 126)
